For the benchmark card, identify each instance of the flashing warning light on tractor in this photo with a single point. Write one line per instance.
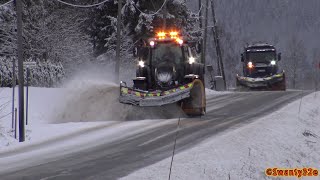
(172, 35)
(161, 35)
(250, 65)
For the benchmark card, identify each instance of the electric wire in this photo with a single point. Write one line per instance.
(83, 6)
(2, 5)
(152, 14)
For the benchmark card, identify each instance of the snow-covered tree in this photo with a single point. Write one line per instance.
(7, 30)
(140, 19)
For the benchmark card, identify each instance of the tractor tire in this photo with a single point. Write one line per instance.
(195, 105)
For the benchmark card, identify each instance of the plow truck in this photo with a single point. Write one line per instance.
(167, 72)
(260, 69)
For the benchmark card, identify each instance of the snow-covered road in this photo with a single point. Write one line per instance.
(114, 149)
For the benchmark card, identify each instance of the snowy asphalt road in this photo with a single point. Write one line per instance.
(118, 159)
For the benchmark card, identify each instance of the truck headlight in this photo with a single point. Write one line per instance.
(273, 62)
(250, 65)
(191, 60)
(141, 63)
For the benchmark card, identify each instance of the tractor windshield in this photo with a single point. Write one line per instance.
(167, 52)
(261, 57)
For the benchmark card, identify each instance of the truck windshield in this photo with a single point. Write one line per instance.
(261, 57)
(168, 52)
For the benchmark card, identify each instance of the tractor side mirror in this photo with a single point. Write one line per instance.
(279, 56)
(242, 58)
(198, 47)
(135, 51)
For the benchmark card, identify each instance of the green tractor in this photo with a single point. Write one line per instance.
(167, 72)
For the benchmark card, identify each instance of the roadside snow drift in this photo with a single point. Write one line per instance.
(287, 138)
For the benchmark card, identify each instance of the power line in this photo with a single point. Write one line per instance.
(82, 6)
(164, 3)
(6, 3)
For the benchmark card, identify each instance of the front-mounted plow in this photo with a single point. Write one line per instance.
(190, 96)
(276, 82)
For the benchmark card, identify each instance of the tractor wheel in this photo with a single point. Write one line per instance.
(195, 105)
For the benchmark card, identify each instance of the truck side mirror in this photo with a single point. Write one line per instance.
(242, 58)
(198, 47)
(279, 56)
(135, 51)
(209, 68)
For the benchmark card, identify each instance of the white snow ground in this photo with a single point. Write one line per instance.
(273, 141)
(85, 112)
(287, 138)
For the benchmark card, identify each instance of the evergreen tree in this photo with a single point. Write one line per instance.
(140, 19)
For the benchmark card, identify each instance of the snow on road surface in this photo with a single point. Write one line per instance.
(287, 138)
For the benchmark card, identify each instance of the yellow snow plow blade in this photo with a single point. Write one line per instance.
(156, 98)
(191, 97)
(276, 82)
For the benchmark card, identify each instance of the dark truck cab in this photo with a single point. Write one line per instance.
(260, 68)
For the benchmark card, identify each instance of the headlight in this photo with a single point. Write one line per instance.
(179, 41)
(250, 65)
(191, 60)
(141, 63)
(152, 43)
(273, 62)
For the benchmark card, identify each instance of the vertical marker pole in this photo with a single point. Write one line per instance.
(13, 88)
(27, 94)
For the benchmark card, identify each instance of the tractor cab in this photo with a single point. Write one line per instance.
(163, 62)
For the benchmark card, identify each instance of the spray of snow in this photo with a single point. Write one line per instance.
(92, 96)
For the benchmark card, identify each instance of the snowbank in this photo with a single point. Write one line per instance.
(287, 138)
(210, 92)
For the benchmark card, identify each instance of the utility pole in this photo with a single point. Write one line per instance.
(204, 47)
(218, 48)
(20, 71)
(117, 66)
(200, 13)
